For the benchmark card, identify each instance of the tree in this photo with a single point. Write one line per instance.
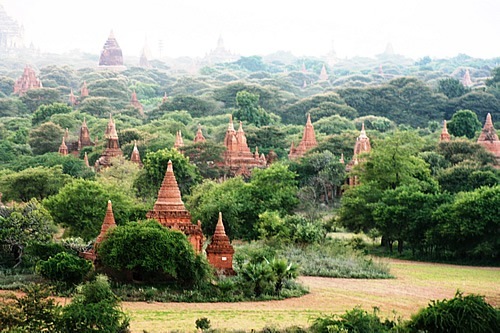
(80, 207)
(196, 106)
(65, 267)
(22, 225)
(38, 183)
(46, 138)
(155, 165)
(464, 123)
(206, 156)
(33, 98)
(249, 111)
(167, 254)
(44, 112)
(96, 106)
(452, 88)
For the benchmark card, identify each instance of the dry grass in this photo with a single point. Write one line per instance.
(415, 284)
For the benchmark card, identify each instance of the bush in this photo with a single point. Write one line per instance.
(356, 320)
(202, 323)
(65, 267)
(467, 314)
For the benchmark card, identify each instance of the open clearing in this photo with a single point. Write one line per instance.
(414, 286)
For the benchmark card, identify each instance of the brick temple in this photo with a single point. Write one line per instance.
(83, 140)
(112, 146)
(361, 146)
(27, 81)
(444, 136)
(111, 54)
(169, 211)
(238, 159)
(307, 143)
(220, 251)
(489, 139)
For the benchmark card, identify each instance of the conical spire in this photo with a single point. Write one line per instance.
(199, 135)
(220, 251)
(362, 133)
(86, 160)
(488, 132)
(165, 98)
(179, 142)
(72, 98)
(109, 222)
(63, 149)
(219, 228)
(362, 144)
(169, 195)
(466, 81)
(445, 136)
(323, 76)
(230, 126)
(84, 92)
(136, 157)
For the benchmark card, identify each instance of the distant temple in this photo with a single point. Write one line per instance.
(27, 81)
(84, 92)
(220, 54)
(307, 143)
(220, 251)
(489, 139)
(331, 57)
(111, 55)
(136, 104)
(82, 141)
(466, 80)
(179, 142)
(323, 76)
(445, 136)
(238, 159)
(136, 157)
(107, 224)
(199, 135)
(170, 212)
(112, 146)
(361, 146)
(11, 33)
(145, 56)
(63, 149)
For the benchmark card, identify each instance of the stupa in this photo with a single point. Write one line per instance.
(220, 54)
(199, 135)
(179, 142)
(136, 104)
(238, 159)
(445, 136)
(466, 80)
(136, 157)
(489, 139)
(112, 146)
(84, 92)
(307, 143)
(107, 224)
(361, 146)
(27, 81)
(111, 54)
(63, 149)
(323, 76)
(220, 251)
(169, 211)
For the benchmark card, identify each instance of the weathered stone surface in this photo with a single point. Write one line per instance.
(307, 143)
(108, 223)
(27, 81)
(220, 251)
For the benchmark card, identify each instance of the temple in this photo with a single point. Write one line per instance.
(136, 104)
(489, 139)
(179, 142)
(84, 91)
(238, 159)
(220, 54)
(111, 55)
(170, 212)
(11, 33)
(108, 223)
(75, 146)
(145, 56)
(112, 146)
(307, 143)
(361, 146)
(199, 135)
(63, 149)
(220, 251)
(136, 157)
(466, 80)
(445, 136)
(27, 81)
(323, 76)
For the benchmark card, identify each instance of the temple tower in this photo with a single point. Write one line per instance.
(63, 149)
(72, 98)
(307, 143)
(199, 135)
(489, 139)
(136, 157)
(136, 104)
(220, 251)
(466, 80)
(27, 81)
(445, 136)
(86, 160)
(169, 211)
(361, 146)
(323, 76)
(112, 146)
(84, 92)
(111, 54)
(107, 224)
(179, 142)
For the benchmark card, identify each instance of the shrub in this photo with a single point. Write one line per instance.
(202, 323)
(65, 267)
(356, 320)
(461, 314)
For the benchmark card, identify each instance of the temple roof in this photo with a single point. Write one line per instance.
(199, 135)
(109, 222)
(169, 195)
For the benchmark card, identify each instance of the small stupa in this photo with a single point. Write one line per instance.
(307, 143)
(323, 76)
(112, 146)
(489, 138)
(63, 149)
(136, 157)
(179, 142)
(199, 135)
(220, 251)
(445, 136)
(361, 146)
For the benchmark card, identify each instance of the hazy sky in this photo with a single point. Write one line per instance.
(416, 28)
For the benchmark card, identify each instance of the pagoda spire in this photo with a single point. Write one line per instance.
(445, 136)
(323, 76)
(169, 195)
(165, 98)
(179, 142)
(342, 158)
(72, 98)
(84, 92)
(199, 135)
(307, 143)
(86, 160)
(136, 157)
(220, 251)
(109, 222)
(489, 138)
(63, 149)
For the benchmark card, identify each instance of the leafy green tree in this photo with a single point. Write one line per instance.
(80, 207)
(467, 177)
(196, 106)
(155, 165)
(33, 98)
(38, 183)
(166, 255)
(461, 150)
(10, 107)
(248, 109)
(271, 99)
(267, 138)
(271, 226)
(452, 88)
(481, 102)
(96, 106)
(65, 267)
(206, 156)
(464, 123)
(283, 270)
(44, 112)
(6, 85)
(259, 278)
(46, 138)
(252, 63)
(22, 225)
(71, 165)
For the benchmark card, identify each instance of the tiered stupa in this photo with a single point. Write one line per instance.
(136, 157)
(361, 146)
(445, 136)
(170, 212)
(308, 141)
(466, 80)
(323, 76)
(11, 33)
(63, 149)
(220, 251)
(238, 159)
(136, 104)
(111, 55)
(112, 146)
(179, 142)
(84, 92)
(27, 81)
(489, 139)
(108, 223)
(199, 135)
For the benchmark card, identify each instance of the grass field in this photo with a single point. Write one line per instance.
(415, 285)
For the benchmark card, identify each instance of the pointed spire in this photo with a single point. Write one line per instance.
(86, 160)
(66, 133)
(169, 195)
(231, 126)
(84, 92)
(219, 228)
(445, 136)
(466, 81)
(220, 251)
(323, 76)
(199, 135)
(63, 149)
(362, 133)
(109, 222)
(179, 142)
(342, 158)
(256, 154)
(136, 157)
(72, 98)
